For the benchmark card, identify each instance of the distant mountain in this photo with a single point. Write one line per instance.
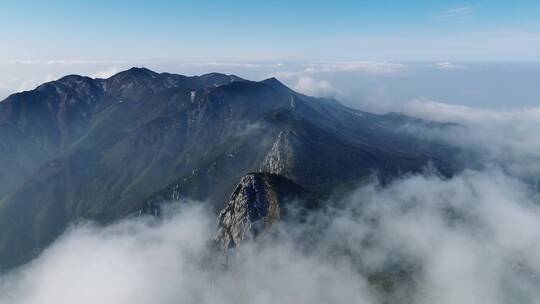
(104, 149)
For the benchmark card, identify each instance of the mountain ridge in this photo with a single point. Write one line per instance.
(102, 149)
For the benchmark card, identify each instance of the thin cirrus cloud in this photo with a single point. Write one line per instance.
(449, 65)
(371, 67)
(456, 12)
(58, 62)
(377, 67)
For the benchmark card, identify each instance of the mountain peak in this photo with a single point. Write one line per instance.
(272, 80)
(219, 78)
(72, 78)
(81, 85)
(257, 202)
(135, 83)
(137, 72)
(275, 84)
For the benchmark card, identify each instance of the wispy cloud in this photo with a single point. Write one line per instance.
(33, 83)
(376, 67)
(310, 86)
(449, 66)
(507, 137)
(473, 238)
(223, 64)
(460, 12)
(106, 73)
(367, 67)
(57, 62)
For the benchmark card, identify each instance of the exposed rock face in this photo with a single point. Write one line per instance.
(258, 202)
(280, 158)
(252, 208)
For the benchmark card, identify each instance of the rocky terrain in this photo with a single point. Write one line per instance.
(257, 202)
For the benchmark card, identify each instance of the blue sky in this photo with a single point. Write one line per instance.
(270, 30)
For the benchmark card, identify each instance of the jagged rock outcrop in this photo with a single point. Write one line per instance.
(280, 158)
(252, 208)
(259, 201)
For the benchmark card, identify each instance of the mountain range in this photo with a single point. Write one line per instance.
(79, 149)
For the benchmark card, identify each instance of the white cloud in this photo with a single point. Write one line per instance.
(373, 67)
(463, 114)
(139, 262)
(309, 86)
(27, 85)
(509, 138)
(32, 84)
(368, 67)
(315, 78)
(449, 66)
(468, 239)
(106, 73)
(456, 12)
(223, 64)
(58, 62)
(473, 237)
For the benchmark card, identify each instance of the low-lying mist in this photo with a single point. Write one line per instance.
(424, 238)
(474, 238)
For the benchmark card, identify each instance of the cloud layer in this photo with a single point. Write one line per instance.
(507, 138)
(469, 239)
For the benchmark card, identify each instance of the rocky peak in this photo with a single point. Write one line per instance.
(280, 158)
(252, 208)
(258, 201)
